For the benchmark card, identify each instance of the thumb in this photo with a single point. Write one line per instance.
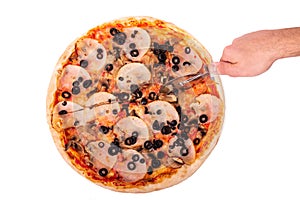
(227, 68)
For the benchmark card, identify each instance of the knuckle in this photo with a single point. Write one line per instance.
(228, 48)
(227, 53)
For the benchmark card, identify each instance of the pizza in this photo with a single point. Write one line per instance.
(115, 119)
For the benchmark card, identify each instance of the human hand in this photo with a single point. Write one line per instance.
(249, 55)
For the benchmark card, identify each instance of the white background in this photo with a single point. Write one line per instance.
(258, 155)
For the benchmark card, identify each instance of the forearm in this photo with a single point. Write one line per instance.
(287, 42)
(254, 53)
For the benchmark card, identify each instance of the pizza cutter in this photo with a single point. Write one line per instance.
(187, 81)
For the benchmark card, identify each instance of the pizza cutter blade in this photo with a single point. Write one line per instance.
(187, 81)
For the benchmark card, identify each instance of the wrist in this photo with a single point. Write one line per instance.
(286, 42)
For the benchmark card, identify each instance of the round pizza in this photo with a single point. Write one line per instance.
(132, 105)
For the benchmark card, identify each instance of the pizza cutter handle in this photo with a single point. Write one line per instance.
(211, 68)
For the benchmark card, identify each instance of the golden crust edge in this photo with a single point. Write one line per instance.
(50, 98)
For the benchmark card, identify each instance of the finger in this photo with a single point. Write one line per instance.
(227, 68)
(228, 54)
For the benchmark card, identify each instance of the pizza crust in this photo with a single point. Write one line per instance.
(50, 100)
(182, 173)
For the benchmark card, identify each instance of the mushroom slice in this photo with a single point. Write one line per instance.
(207, 107)
(174, 162)
(132, 75)
(132, 167)
(67, 114)
(132, 131)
